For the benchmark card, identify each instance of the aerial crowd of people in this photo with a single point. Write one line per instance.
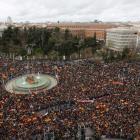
(102, 96)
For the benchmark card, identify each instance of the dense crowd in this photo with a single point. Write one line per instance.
(104, 96)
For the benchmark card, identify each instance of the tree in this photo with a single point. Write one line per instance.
(57, 30)
(53, 55)
(43, 41)
(111, 56)
(23, 52)
(94, 38)
(38, 52)
(67, 34)
(91, 41)
(125, 53)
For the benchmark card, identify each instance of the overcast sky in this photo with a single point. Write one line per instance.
(70, 10)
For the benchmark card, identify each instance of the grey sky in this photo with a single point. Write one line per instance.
(70, 10)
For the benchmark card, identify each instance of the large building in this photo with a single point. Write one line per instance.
(137, 27)
(85, 29)
(119, 38)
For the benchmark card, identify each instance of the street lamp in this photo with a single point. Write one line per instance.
(81, 41)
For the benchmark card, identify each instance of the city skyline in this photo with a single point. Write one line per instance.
(62, 10)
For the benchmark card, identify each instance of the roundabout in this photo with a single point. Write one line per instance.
(29, 83)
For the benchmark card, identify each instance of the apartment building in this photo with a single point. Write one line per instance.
(119, 38)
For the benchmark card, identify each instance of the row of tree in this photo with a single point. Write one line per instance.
(43, 41)
(110, 56)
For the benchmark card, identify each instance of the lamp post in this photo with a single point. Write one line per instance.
(57, 45)
(81, 41)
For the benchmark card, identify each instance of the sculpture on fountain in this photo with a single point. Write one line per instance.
(31, 79)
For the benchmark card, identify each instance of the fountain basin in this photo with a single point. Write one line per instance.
(30, 83)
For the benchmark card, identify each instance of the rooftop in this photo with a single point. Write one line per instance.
(122, 29)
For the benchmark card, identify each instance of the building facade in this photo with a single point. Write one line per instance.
(85, 29)
(119, 38)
